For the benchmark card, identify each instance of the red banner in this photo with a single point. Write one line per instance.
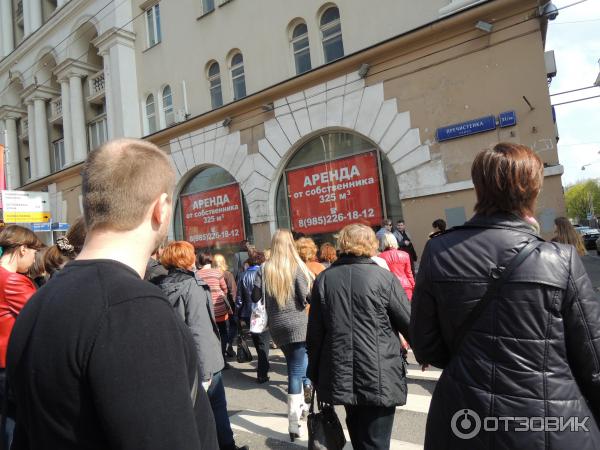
(326, 197)
(214, 216)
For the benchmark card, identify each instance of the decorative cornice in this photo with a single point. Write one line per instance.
(11, 112)
(55, 22)
(111, 37)
(73, 68)
(35, 92)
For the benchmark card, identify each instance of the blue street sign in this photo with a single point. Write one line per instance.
(458, 130)
(44, 226)
(507, 119)
(60, 226)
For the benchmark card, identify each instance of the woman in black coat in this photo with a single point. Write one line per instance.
(355, 358)
(527, 372)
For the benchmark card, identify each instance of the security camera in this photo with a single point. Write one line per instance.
(549, 10)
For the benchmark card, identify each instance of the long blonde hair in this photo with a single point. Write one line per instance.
(566, 234)
(219, 262)
(280, 270)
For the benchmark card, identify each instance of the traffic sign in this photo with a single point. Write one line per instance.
(26, 207)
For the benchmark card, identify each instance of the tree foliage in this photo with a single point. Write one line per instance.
(578, 197)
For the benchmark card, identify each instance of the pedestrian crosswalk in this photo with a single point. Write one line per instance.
(258, 412)
(274, 427)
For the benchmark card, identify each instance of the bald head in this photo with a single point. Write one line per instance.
(120, 182)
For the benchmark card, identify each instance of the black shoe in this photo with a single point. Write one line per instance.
(261, 380)
(243, 447)
(227, 366)
(230, 352)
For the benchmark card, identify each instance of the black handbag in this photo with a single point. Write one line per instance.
(324, 428)
(243, 354)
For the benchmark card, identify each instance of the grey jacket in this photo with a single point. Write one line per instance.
(287, 324)
(190, 296)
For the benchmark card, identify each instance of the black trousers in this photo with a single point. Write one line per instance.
(370, 427)
(261, 344)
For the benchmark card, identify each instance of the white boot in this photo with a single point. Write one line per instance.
(295, 405)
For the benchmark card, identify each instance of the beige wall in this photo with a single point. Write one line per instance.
(421, 212)
(259, 29)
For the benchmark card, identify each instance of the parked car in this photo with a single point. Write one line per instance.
(590, 236)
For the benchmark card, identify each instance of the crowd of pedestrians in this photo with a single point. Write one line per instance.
(125, 344)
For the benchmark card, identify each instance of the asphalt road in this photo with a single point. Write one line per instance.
(592, 264)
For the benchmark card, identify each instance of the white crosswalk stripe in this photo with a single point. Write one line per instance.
(274, 426)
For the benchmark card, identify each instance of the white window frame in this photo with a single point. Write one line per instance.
(294, 41)
(58, 149)
(93, 131)
(328, 26)
(151, 14)
(235, 77)
(152, 116)
(211, 78)
(168, 111)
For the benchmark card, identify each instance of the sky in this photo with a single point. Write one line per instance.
(575, 38)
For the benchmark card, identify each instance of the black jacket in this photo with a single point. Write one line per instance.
(354, 352)
(534, 351)
(154, 269)
(190, 297)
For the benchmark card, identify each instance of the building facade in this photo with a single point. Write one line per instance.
(307, 115)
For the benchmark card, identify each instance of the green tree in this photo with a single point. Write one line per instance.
(580, 197)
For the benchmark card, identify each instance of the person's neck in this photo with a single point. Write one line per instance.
(9, 263)
(130, 248)
(206, 266)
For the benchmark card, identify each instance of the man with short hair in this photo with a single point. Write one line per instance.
(239, 258)
(98, 358)
(386, 227)
(405, 242)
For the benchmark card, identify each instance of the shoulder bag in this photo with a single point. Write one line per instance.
(259, 317)
(324, 428)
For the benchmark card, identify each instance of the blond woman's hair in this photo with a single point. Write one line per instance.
(219, 262)
(307, 249)
(357, 239)
(280, 270)
(389, 241)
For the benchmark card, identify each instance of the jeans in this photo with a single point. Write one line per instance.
(218, 403)
(297, 362)
(233, 328)
(224, 333)
(370, 427)
(261, 344)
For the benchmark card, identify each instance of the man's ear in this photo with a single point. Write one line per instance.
(161, 211)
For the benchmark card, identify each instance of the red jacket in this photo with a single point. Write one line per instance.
(15, 291)
(399, 264)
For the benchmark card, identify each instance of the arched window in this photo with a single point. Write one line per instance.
(222, 231)
(331, 34)
(214, 80)
(301, 48)
(151, 114)
(167, 99)
(237, 76)
(321, 216)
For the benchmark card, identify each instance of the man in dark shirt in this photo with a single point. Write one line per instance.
(405, 242)
(98, 358)
(154, 269)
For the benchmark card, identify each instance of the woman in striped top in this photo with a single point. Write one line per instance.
(218, 290)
